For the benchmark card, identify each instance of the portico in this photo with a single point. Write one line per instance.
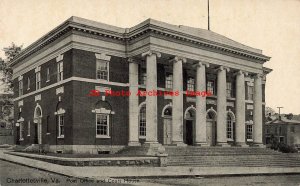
(212, 126)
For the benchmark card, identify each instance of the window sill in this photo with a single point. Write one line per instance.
(102, 136)
(249, 140)
(48, 133)
(61, 137)
(47, 81)
(249, 101)
(28, 89)
(229, 139)
(142, 137)
(28, 135)
(21, 139)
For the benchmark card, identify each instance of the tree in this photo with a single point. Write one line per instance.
(10, 53)
(269, 111)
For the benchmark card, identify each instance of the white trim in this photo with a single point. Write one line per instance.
(20, 78)
(98, 81)
(60, 90)
(21, 119)
(37, 69)
(58, 123)
(60, 111)
(102, 136)
(231, 114)
(36, 107)
(103, 56)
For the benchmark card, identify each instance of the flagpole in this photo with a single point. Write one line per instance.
(208, 14)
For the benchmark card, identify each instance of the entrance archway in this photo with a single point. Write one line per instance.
(190, 118)
(211, 129)
(37, 119)
(167, 118)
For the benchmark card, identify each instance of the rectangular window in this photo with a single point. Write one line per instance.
(250, 92)
(60, 71)
(142, 123)
(21, 130)
(191, 84)
(143, 77)
(211, 87)
(48, 75)
(20, 87)
(38, 80)
(28, 83)
(102, 69)
(229, 89)
(102, 125)
(28, 129)
(281, 139)
(292, 128)
(61, 130)
(249, 132)
(169, 81)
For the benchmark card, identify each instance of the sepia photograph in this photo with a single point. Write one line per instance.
(149, 92)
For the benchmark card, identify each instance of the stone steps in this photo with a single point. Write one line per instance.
(229, 156)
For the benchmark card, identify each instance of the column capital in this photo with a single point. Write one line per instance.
(201, 64)
(150, 53)
(178, 58)
(221, 68)
(240, 72)
(258, 75)
(131, 60)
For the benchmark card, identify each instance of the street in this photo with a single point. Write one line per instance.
(13, 174)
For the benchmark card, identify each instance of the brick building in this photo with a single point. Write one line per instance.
(53, 78)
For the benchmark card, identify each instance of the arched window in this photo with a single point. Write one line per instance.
(210, 115)
(229, 127)
(142, 122)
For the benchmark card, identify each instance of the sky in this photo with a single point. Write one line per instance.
(270, 25)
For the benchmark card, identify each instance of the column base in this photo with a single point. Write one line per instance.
(178, 144)
(223, 144)
(202, 144)
(241, 144)
(259, 145)
(134, 143)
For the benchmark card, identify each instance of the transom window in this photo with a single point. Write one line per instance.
(229, 89)
(143, 77)
(169, 80)
(102, 69)
(229, 127)
(249, 134)
(102, 125)
(191, 84)
(142, 122)
(38, 80)
(211, 87)
(20, 87)
(250, 92)
(61, 130)
(60, 71)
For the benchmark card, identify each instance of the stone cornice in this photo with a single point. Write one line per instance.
(129, 35)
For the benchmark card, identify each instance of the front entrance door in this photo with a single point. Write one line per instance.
(189, 132)
(167, 131)
(211, 133)
(36, 134)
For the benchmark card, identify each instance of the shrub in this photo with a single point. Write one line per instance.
(286, 148)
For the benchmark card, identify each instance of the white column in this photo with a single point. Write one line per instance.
(133, 104)
(151, 101)
(240, 109)
(201, 105)
(257, 111)
(177, 102)
(221, 107)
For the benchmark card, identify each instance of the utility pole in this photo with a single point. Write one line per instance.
(208, 14)
(279, 117)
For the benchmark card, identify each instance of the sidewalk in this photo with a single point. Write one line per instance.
(119, 172)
